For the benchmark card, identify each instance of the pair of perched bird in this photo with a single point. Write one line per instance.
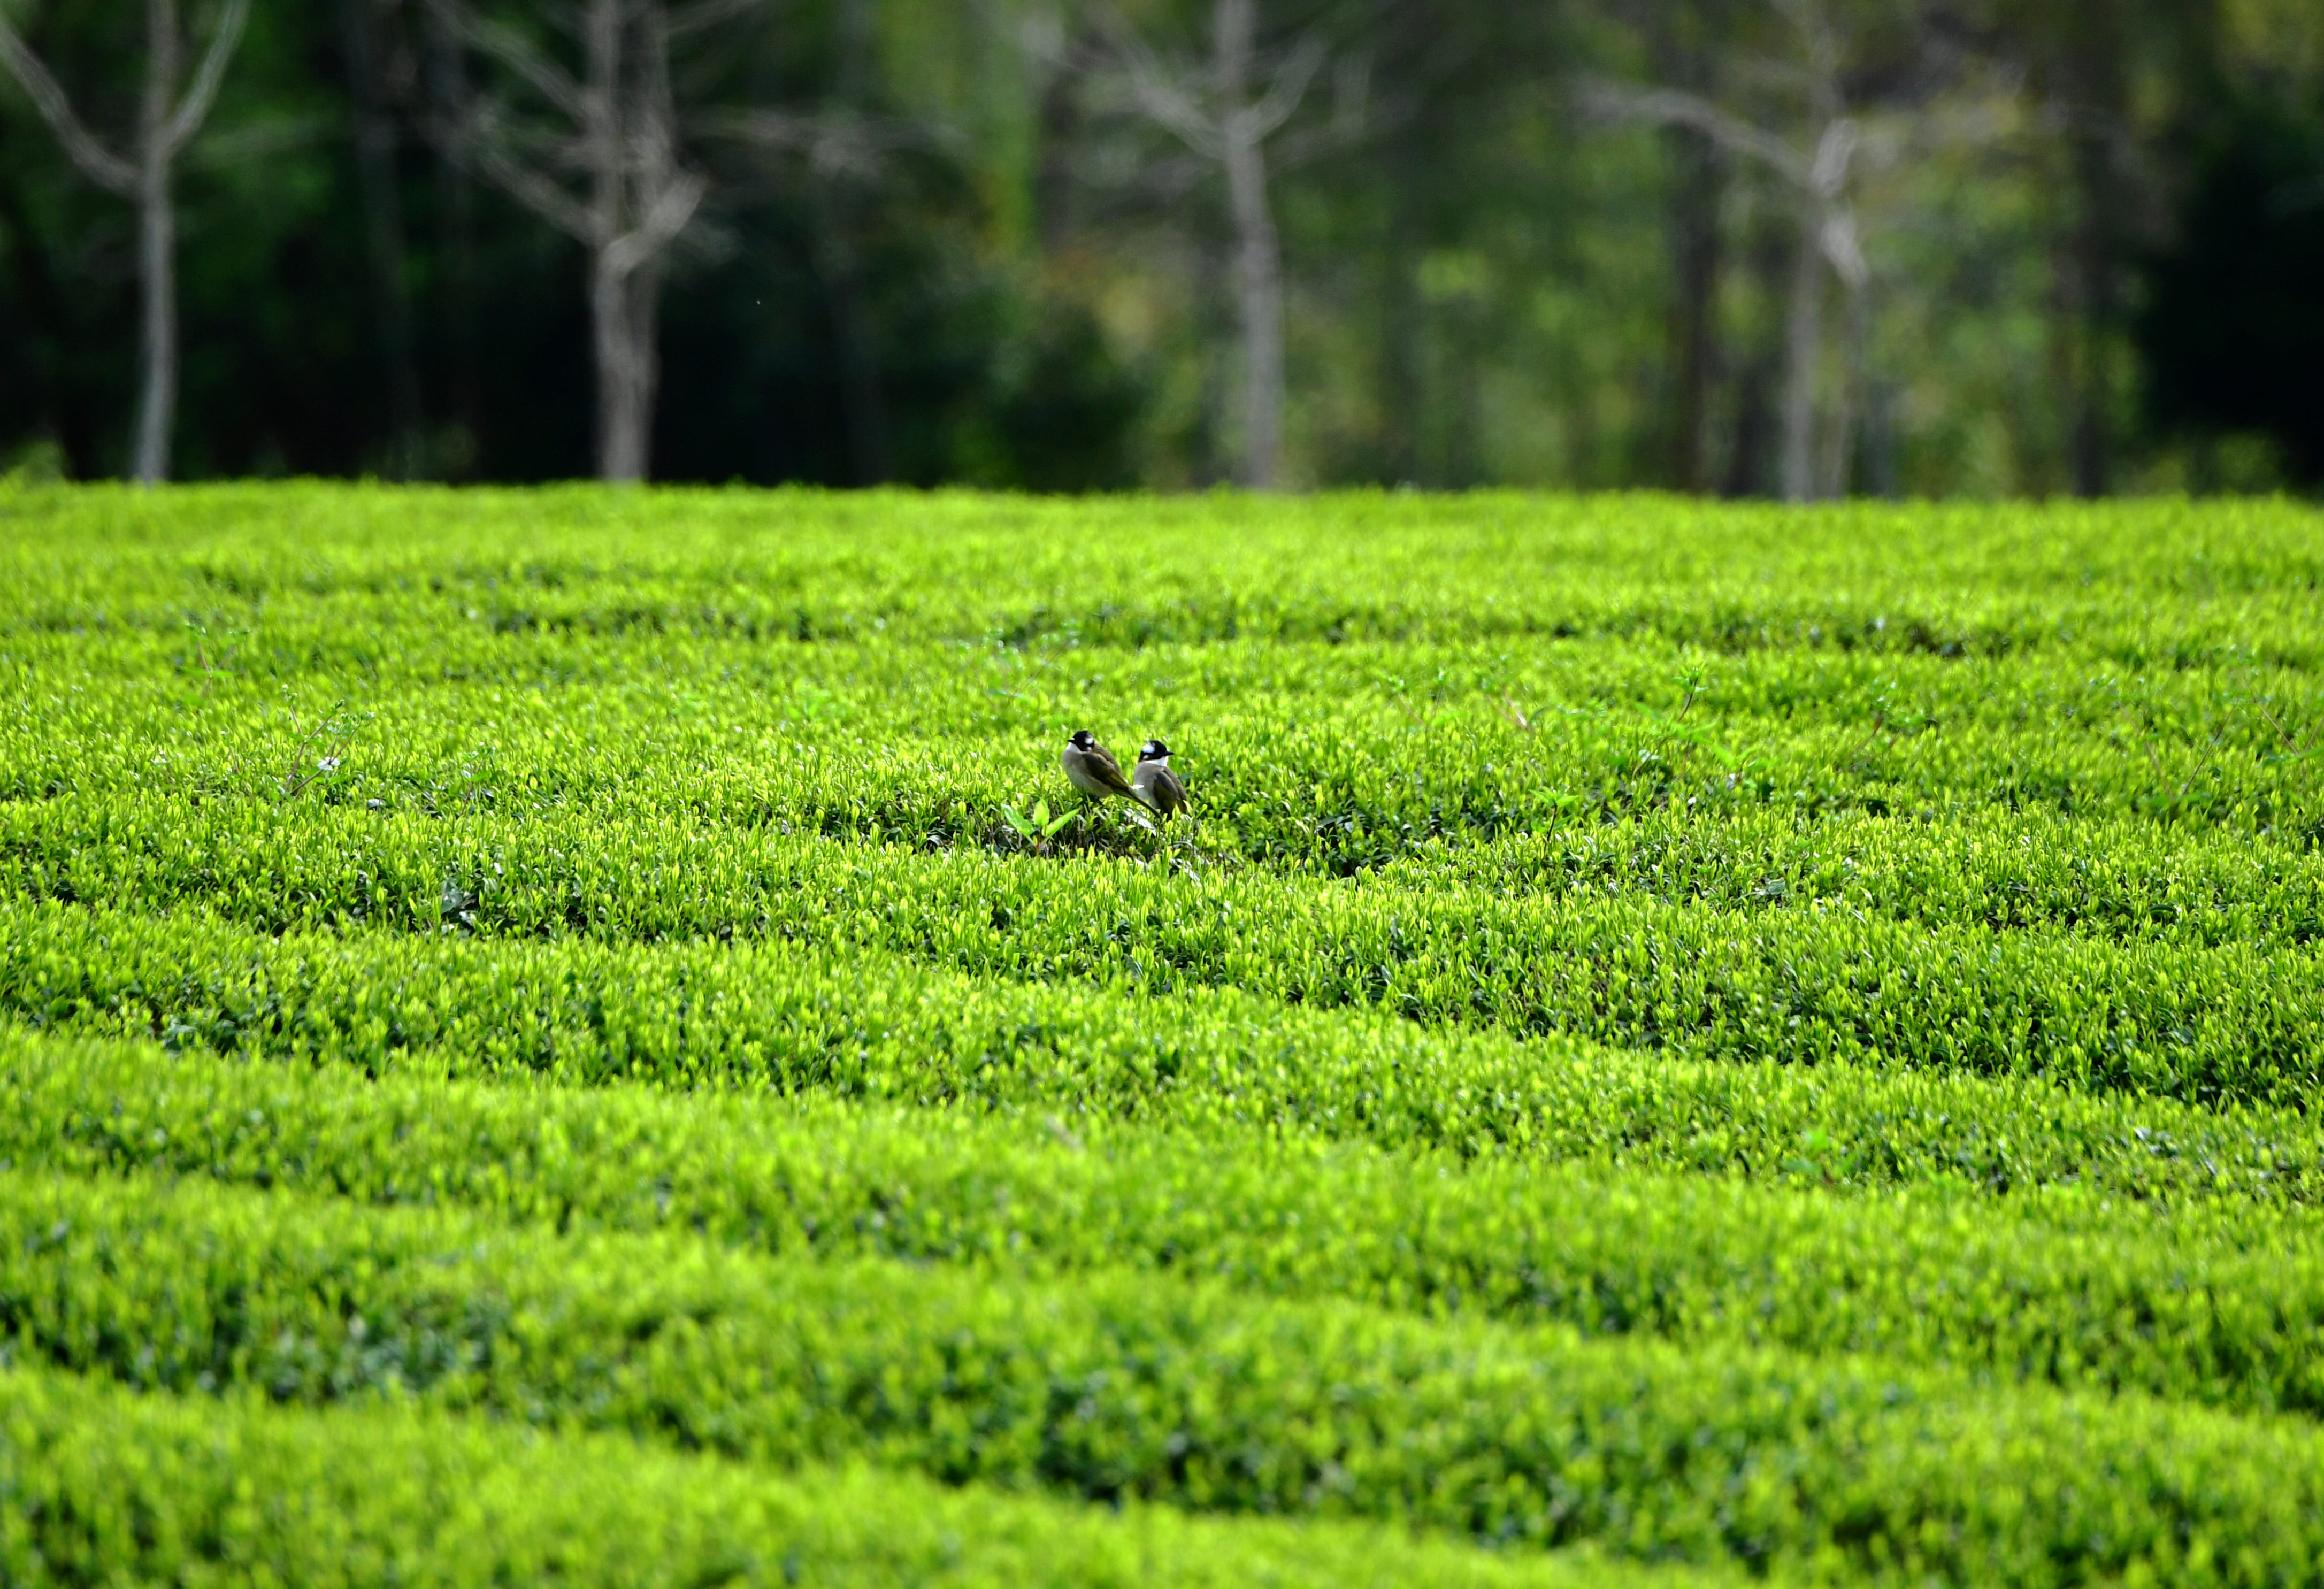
(1092, 768)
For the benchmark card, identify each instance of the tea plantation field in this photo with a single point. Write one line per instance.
(585, 1038)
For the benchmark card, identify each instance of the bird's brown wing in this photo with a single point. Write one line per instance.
(1107, 770)
(1159, 789)
(1172, 793)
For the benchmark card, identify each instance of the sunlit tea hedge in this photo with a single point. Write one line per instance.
(1676, 1040)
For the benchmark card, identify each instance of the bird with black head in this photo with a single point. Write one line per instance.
(1091, 768)
(1158, 787)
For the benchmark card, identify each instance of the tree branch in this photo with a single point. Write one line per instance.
(835, 143)
(1175, 111)
(479, 143)
(1828, 173)
(1823, 50)
(97, 164)
(231, 145)
(1163, 103)
(769, 129)
(509, 48)
(195, 105)
(1355, 116)
(673, 206)
(1839, 242)
(1673, 108)
(1289, 88)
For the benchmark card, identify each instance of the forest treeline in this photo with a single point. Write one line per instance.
(1798, 248)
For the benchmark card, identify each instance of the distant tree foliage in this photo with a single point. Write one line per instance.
(1817, 247)
(2232, 334)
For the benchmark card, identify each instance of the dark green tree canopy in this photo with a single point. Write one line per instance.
(2233, 333)
(946, 240)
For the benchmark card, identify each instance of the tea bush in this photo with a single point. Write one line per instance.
(539, 1041)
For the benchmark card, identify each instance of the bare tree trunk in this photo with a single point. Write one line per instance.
(1827, 226)
(624, 146)
(645, 354)
(620, 454)
(625, 380)
(157, 248)
(1258, 261)
(1232, 129)
(164, 126)
(623, 90)
(157, 255)
(1259, 283)
(1839, 443)
(1803, 332)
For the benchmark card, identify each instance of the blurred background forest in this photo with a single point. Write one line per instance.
(1792, 248)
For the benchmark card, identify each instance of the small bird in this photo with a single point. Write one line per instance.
(1157, 786)
(1093, 769)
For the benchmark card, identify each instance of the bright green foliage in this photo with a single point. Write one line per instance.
(1183, 1394)
(99, 1486)
(867, 1025)
(2228, 1024)
(2201, 1306)
(1777, 1040)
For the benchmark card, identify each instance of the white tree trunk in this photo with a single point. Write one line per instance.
(144, 179)
(623, 147)
(645, 355)
(621, 448)
(1258, 283)
(1839, 442)
(1258, 261)
(625, 354)
(628, 133)
(1802, 334)
(157, 260)
(157, 250)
